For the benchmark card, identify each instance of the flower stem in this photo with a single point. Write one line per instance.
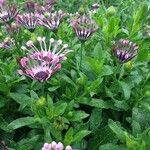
(119, 71)
(43, 88)
(81, 53)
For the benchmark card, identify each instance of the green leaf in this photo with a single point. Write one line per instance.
(95, 119)
(107, 70)
(34, 95)
(69, 137)
(94, 86)
(98, 52)
(22, 99)
(68, 80)
(53, 88)
(80, 135)
(29, 142)
(4, 88)
(126, 89)
(18, 123)
(2, 102)
(102, 135)
(121, 105)
(59, 108)
(140, 15)
(3, 124)
(98, 103)
(117, 129)
(49, 101)
(95, 65)
(78, 116)
(111, 146)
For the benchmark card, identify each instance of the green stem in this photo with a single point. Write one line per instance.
(43, 88)
(81, 53)
(118, 71)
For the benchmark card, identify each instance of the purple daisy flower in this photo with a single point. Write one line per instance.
(41, 63)
(84, 27)
(28, 20)
(52, 20)
(7, 13)
(125, 50)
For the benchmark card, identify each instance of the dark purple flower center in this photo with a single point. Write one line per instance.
(41, 76)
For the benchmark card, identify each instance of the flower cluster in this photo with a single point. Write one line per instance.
(7, 12)
(125, 50)
(84, 27)
(55, 146)
(41, 63)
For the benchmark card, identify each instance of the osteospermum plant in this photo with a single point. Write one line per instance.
(98, 102)
(43, 61)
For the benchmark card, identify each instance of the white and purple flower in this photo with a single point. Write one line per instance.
(51, 20)
(7, 12)
(84, 27)
(43, 61)
(55, 146)
(7, 43)
(125, 50)
(28, 21)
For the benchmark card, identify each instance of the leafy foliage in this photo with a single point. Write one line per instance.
(101, 105)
